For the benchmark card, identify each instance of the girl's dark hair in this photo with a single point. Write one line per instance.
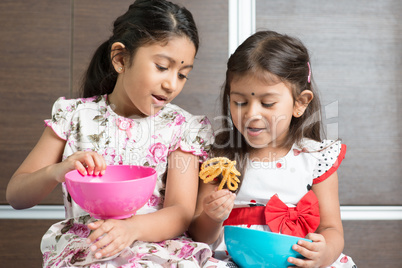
(275, 58)
(145, 22)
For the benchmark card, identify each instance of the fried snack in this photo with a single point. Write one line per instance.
(211, 169)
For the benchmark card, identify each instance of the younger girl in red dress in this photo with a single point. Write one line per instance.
(289, 181)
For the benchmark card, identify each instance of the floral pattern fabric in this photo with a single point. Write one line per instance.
(90, 124)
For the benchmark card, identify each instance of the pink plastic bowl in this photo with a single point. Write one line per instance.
(117, 194)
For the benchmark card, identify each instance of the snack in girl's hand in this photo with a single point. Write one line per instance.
(213, 167)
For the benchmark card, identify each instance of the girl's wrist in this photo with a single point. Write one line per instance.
(57, 172)
(135, 230)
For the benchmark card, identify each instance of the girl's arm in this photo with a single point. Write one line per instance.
(42, 170)
(328, 249)
(213, 208)
(170, 221)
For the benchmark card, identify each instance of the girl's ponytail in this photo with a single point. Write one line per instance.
(100, 77)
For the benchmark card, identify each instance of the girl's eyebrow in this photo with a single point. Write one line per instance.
(171, 60)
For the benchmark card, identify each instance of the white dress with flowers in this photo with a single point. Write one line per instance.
(91, 125)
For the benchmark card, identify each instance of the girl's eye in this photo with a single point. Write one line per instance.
(182, 76)
(161, 68)
(268, 105)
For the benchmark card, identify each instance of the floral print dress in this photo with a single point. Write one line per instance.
(90, 124)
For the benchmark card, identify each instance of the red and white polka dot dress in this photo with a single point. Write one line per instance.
(285, 183)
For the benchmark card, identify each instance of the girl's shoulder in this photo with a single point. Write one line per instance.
(312, 146)
(71, 105)
(190, 133)
(178, 114)
(325, 156)
(64, 112)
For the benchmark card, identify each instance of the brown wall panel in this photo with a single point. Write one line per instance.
(34, 72)
(356, 49)
(20, 242)
(373, 244)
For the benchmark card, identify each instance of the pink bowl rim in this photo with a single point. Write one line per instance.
(153, 174)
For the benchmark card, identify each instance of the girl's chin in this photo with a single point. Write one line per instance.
(257, 143)
(262, 143)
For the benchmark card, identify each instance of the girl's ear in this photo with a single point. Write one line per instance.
(117, 56)
(302, 102)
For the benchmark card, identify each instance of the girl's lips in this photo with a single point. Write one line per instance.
(159, 100)
(254, 131)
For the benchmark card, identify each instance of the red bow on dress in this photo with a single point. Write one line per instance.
(296, 221)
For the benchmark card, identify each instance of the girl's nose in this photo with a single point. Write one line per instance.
(170, 83)
(253, 112)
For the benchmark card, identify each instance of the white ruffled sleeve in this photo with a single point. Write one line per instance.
(328, 156)
(62, 112)
(195, 136)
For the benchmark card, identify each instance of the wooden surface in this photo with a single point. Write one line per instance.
(371, 244)
(34, 71)
(356, 49)
(20, 242)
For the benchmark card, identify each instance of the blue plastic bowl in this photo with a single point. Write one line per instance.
(252, 248)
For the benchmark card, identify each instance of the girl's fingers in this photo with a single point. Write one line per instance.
(80, 167)
(100, 247)
(112, 248)
(100, 164)
(90, 163)
(315, 237)
(97, 231)
(107, 239)
(229, 202)
(305, 252)
(302, 262)
(306, 244)
(217, 201)
(214, 195)
(227, 207)
(219, 209)
(95, 225)
(298, 262)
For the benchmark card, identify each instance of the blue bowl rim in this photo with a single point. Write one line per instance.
(265, 232)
